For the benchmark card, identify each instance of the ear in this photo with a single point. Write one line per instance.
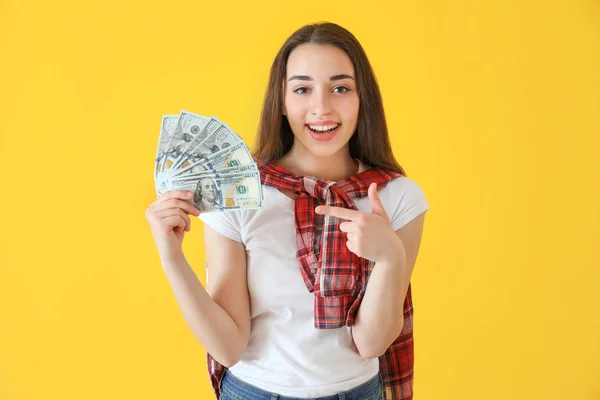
(283, 110)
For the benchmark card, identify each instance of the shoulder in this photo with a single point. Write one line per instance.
(400, 186)
(404, 199)
(403, 188)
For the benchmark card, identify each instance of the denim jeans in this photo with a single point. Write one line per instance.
(233, 388)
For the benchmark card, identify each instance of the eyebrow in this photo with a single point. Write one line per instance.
(333, 78)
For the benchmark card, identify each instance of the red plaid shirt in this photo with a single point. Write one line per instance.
(338, 277)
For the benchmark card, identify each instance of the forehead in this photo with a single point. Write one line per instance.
(319, 61)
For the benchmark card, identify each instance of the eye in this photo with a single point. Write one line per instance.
(299, 90)
(345, 89)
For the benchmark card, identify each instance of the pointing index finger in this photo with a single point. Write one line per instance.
(338, 212)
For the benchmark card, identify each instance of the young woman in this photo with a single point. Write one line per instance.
(309, 296)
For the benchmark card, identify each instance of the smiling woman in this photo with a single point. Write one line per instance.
(322, 77)
(321, 101)
(299, 305)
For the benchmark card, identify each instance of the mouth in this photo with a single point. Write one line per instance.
(323, 132)
(323, 128)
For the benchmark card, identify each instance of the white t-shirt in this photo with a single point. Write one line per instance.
(286, 354)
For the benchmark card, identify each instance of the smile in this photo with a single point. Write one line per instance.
(323, 128)
(323, 133)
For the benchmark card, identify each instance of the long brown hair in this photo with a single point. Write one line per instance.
(370, 143)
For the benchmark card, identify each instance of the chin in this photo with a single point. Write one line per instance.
(321, 152)
(324, 149)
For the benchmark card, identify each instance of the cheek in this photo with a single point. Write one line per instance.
(296, 109)
(349, 108)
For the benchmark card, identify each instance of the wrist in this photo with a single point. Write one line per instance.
(171, 256)
(395, 253)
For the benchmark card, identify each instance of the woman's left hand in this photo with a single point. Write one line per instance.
(370, 235)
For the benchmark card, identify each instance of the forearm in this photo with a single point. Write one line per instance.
(211, 324)
(380, 317)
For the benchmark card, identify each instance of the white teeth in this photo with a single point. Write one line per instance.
(323, 127)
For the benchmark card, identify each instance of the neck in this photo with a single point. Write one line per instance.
(333, 168)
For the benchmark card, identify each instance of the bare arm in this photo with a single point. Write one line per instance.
(380, 317)
(219, 316)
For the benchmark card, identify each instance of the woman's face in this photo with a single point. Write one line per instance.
(321, 100)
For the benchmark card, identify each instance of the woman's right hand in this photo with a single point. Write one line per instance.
(169, 220)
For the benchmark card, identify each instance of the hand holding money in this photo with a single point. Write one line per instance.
(169, 220)
(203, 155)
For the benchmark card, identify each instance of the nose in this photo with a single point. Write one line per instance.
(320, 103)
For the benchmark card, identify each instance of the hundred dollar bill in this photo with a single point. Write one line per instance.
(224, 193)
(174, 145)
(161, 188)
(200, 133)
(224, 171)
(167, 128)
(188, 126)
(235, 156)
(166, 184)
(219, 137)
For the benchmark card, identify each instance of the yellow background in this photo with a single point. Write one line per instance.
(493, 109)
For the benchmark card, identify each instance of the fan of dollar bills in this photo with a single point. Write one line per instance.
(203, 155)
